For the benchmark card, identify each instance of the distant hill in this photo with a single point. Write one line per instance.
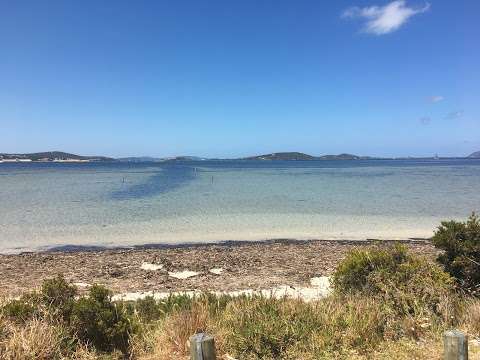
(475, 155)
(139, 159)
(186, 158)
(282, 156)
(51, 156)
(302, 156)
(154, 159)
(343, 157)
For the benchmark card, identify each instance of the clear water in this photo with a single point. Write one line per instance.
(118, 204)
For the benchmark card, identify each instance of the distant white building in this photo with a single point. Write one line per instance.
(15, 160)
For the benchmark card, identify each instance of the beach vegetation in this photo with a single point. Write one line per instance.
(386, 303)
(18, 310)
(59, 296)
(460, 242)
(99, 321)
(406, 284)
(148, 309)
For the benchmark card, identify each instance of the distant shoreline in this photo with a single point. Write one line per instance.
(72, 161)
(60, 156)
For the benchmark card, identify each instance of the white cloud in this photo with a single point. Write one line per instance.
(454, 115)
(425, 120)
(435, 99)
(384, 19)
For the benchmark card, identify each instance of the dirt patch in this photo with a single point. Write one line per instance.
(246, 265)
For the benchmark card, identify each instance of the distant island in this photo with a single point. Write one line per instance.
(282, 156)
(475, 155)
(154, 159)
(302, 157)
(136, 159)
(56, 156)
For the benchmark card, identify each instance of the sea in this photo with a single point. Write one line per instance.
(61, 206)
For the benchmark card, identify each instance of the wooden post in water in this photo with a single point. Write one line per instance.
(202, 347)
(455, 345)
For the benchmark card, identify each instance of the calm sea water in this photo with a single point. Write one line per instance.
(117, 204)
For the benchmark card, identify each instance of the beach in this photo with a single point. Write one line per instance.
(237, 266)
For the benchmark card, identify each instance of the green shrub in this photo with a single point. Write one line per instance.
(19, 310)
(175, 303)
(461, 243)
(59, 296)
(148, 309)
(407, 284)
(99, 321)
(353, 273)
(261, 328)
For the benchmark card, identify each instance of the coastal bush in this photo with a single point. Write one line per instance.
(267, 328)
(174, 303)
(59, 296)
(148, 309)
(461, 258)
(99, 321)
(408, 285)
(18, 310)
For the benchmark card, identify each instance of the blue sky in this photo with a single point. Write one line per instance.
(234, 78)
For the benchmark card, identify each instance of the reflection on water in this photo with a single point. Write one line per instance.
(166, 179)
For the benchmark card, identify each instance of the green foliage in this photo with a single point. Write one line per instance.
(407, 284)
(102, 323)
(352, 274)
(175, 303)
(148, 309)
(19, 310)
(265, 329)
(461, 243)
(261, 328)
(59, 296)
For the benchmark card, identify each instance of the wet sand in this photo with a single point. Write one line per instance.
(245, 265)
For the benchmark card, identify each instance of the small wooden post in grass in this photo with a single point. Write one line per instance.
(455, 345)
(202, 347)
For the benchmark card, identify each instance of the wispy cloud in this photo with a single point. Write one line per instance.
(454, 115)
(425, 120)
(382, 20)
(435, 99)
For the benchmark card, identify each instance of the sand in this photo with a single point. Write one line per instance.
(282, 267)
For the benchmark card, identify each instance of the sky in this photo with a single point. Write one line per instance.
(219, 78)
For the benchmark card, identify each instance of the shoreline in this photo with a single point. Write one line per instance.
(76, 246)
(229, 266)
(72, 248)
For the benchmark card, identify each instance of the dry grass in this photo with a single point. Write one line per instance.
(471, 318)
(35, 339)
(170, 339)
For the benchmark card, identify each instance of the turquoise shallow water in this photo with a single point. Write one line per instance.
(119, 204)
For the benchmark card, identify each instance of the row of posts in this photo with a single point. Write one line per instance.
(455, 344)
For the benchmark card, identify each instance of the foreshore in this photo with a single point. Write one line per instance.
(230, 266)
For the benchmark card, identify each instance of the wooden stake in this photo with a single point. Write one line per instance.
(202, 347)
(455, 344)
